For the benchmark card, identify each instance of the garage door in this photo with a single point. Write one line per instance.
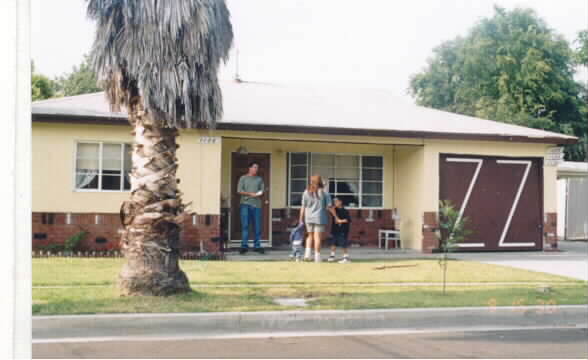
(502, 198)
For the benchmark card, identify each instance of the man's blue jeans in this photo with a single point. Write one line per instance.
(250, 214)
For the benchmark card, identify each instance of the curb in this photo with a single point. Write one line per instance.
(242, 323)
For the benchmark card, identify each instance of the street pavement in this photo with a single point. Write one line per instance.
(563, 343)
(438, 332)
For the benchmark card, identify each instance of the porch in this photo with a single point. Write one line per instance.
(364, 172)
(356, 253)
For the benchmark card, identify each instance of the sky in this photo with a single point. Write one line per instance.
(337, 43)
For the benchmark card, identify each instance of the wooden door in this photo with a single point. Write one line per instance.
(239, 167)
(502, 198)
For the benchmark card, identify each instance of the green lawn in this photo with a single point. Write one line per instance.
(76, 271)
(326, 286)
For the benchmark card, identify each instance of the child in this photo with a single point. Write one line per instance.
(340, 232)
(297, 242)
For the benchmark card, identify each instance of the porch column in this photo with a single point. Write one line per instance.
(200, 155)
(409, 177)
(430, 199)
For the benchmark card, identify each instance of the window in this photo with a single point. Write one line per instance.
(356, 179)
(103, 166)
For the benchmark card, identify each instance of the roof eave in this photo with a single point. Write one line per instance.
(392, 133)
(109, 120)
(80, 119)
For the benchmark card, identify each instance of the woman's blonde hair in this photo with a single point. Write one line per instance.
(316, 183)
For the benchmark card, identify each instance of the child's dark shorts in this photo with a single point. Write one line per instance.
(339, 240)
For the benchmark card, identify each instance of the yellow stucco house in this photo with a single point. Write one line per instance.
(389, 160)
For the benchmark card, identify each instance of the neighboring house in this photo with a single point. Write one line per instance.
(381, 155)
(572, 200)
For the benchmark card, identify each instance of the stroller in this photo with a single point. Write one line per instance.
(297, 242)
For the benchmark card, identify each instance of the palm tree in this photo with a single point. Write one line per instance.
(158, 59)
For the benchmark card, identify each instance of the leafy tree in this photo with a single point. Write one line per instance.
(82, 80)
(41, 86)
(512, 68)
(160, 60)
(453, 230)
(582, 48)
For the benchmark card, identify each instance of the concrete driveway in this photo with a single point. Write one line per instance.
(571, 261)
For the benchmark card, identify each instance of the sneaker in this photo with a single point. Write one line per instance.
(243, 251)
(331, 258)
(298, 259)
(345, 260)
(317, 258)
(259, 250)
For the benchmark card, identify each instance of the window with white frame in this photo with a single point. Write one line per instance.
(356, 179)
(103, 166)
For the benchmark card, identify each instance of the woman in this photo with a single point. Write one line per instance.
(315, 204)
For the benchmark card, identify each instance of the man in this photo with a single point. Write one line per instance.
(250, 188)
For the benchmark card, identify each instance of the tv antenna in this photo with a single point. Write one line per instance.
(237, 78)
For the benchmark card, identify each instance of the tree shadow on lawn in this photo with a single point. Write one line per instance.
(106, 300)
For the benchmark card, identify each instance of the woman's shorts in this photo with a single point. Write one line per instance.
(314, 228)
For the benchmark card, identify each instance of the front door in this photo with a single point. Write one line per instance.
(239, 167)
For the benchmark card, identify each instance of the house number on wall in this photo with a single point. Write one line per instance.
(554, 156)
(209, 140)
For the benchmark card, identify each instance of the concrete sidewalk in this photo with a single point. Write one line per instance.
(571, 261)
(88, 328)
(362, 253)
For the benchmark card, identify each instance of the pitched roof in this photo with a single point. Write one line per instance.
(274, 107)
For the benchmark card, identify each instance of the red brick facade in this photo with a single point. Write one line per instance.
(103, 231)
(56, 228)
(364, 227)
(550, 231)
(207, 230)
(202, 228)
(430, 225)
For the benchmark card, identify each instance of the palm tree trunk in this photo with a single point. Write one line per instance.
(152, 218)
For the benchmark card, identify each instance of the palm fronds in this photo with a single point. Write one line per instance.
(167, 52)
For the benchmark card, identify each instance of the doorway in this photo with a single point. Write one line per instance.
(239, 167)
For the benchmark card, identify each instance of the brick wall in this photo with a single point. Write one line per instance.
(103, 233)
(205, 228)
(430, 224)
(53, 228)
(364, 227)
(550, 231)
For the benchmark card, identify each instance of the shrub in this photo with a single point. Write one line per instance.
(73, 241)
(453, 230)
